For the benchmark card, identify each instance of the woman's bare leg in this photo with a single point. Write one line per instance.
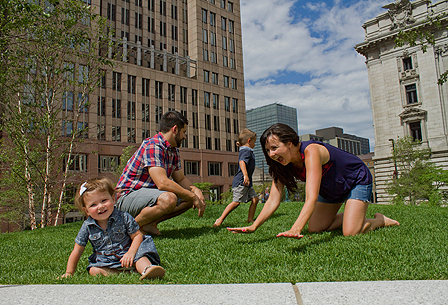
(325, 217)
(355, 221)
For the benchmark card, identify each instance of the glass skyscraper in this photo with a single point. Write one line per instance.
(259, 119)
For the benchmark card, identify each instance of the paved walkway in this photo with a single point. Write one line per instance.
(327, 293)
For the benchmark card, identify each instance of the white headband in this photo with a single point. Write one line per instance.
(82, 189)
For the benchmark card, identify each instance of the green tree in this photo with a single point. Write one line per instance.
(418, 179)
(55, 57)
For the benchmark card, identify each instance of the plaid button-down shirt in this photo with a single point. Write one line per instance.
(153, 152)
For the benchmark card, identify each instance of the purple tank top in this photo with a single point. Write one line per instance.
(340, 174)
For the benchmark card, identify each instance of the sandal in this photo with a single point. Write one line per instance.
(152, 272)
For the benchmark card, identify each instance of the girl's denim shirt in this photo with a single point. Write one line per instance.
(115, 239)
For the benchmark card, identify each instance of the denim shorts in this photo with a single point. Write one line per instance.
(359, 192)
(135, 201)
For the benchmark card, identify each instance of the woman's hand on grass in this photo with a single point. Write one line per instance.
(290, 234)
(242, 230)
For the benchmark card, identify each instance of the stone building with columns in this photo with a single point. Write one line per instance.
(405, 95)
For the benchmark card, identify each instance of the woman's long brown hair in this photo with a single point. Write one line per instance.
(283, 174)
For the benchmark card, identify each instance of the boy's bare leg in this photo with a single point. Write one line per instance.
(151, 228)
(252, 208)
(232, 206)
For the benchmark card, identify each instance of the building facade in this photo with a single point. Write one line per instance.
(405, 95)
(261, 118)
(336, 137)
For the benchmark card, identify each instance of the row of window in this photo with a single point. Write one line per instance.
(229, 5)
(214, 168)
(230, 25)
(229, 82)
(110, 163)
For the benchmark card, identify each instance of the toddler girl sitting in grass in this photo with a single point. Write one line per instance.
(115, 237)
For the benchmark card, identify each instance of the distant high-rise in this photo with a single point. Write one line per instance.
(259, 119)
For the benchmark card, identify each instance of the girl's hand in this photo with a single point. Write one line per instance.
(127, 260)
(67, 274)
(290, 234)
(242, 230)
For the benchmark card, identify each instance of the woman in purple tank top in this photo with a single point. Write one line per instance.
(333, 177)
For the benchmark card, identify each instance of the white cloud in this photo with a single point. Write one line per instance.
(335, 91)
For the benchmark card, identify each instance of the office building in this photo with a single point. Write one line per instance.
(405, 94)
(260, 118)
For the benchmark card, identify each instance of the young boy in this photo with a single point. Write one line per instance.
(242, 182)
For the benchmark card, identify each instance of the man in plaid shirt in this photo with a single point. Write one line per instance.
(147, 191)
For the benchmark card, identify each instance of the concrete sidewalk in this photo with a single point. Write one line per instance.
(383, 292)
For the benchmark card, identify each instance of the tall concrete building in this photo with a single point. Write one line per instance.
(260, 118)
(336, 137)
(405, 95)
(183, 55)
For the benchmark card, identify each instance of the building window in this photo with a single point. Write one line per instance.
(212, 39)
(206, 76)
(224, 42)
(145, 87)
(192, 168)
(171, 92)
(208, 122)
(228, 126)
(101, 106)
(231, 26)
(215, 101)
(216, 123)
(217, 144)
(226, 81)
(195, 142)
(183, 95)
(78, 163)
(415, 129)
(108, 164)
(131, 135)
(194, 97)
(116, 133)
(131, 111)
(212, 19)
(207, 99)
(159, 113)
(214, 169)
(411, 94)
(159, 90)
(194, 119)
(227, 103)
(208, 143)
(225, 61)
(235, 105)
(235, 127)
(215, 78)
(407, 63)
(223, 3)
(215, 193)
(67, 101)
(228, 145)
(116, 81)
(204, 16)
(145, 112)
(234, 83)
(230, 6)
(116, 108)
(233, 167)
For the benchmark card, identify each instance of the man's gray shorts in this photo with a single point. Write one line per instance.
(135, 201)
(243, 193)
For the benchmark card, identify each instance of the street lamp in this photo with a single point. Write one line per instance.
(395, 174)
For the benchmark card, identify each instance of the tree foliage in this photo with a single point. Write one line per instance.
(418, 179)
(50, 64)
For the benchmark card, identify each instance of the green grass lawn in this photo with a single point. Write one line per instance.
(192, 252)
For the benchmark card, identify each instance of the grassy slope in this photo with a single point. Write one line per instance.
(193, 252)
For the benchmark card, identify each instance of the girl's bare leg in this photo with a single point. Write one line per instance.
(101, 271)
(147, 270)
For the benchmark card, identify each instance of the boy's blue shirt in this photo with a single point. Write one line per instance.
(246, 154)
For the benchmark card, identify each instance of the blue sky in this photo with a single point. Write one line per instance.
(300, 53)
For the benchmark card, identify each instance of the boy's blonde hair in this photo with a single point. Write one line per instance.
(93, 184)
(245, 135)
